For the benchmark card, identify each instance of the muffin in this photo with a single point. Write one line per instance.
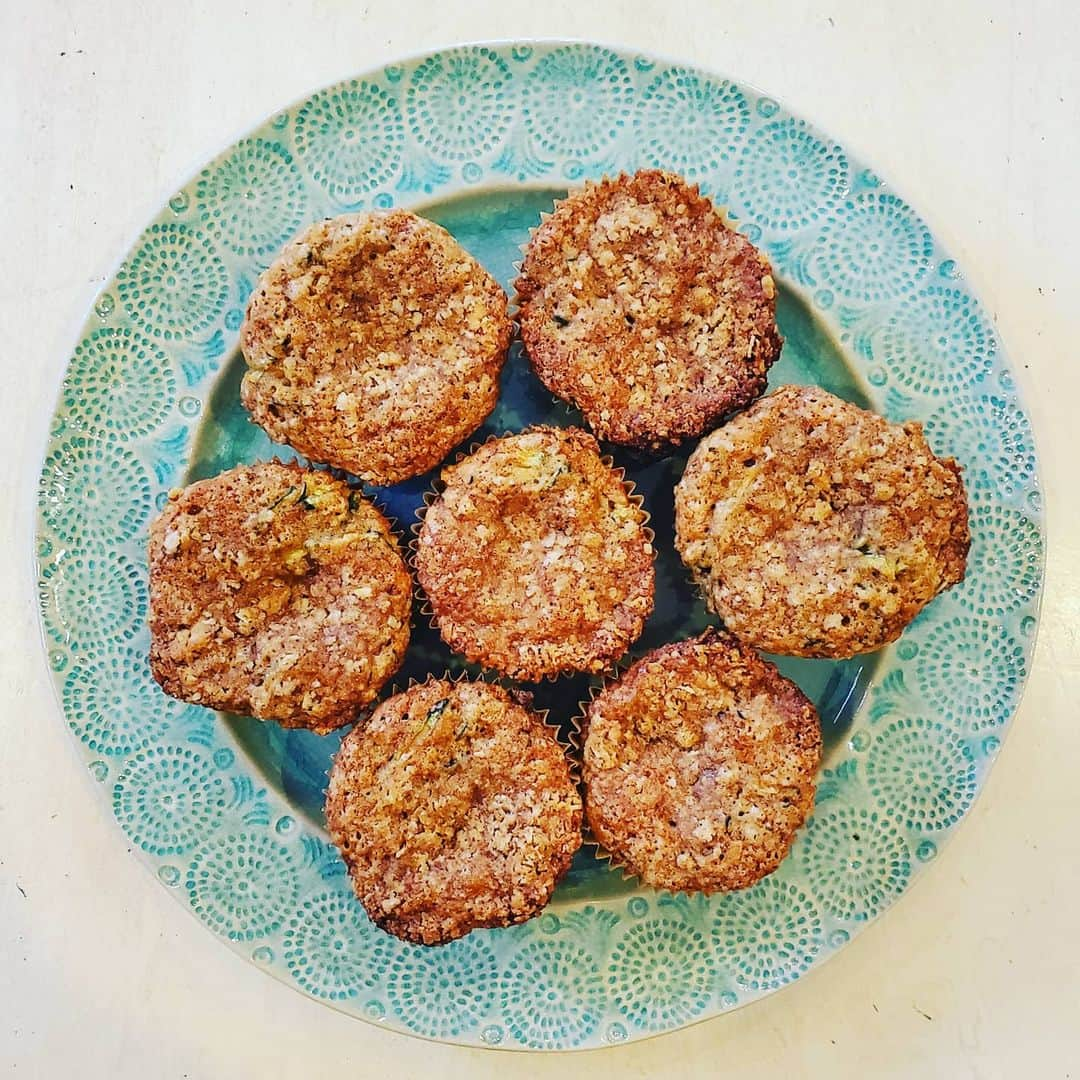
(276, 592)
(699, 766)
(645, 309)
(815, 528)
(534, 558)
(454, 809)
(374, 343)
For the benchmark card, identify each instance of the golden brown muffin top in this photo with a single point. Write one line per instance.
(374, 343)
(534, 558)
(700, 765)
(277, 592)
(453, 808)
(641, 306)
(816, 528)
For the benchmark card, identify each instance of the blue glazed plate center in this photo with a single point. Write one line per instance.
(493, 226)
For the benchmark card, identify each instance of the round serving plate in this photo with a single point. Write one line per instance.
(228, 811)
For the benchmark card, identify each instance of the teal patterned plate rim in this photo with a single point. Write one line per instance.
(481, 137)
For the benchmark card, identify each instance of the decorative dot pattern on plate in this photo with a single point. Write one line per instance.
(242, 886)
(458, 105)
(142, 389)
(921, 774)
(350, 139)
(119, 383)
(577, 100)
(168, 799)
(254, 200)
(174, 285)
(1005, 561)
(788, 178)
(97, 599)
(331, 949)
(953, 658)
(856, 860)
(989, 435)
(552, 995)
(442, 993)
(768, 935)
(93, 489)
(661, 973)
(877, 250)
(937, 341)
(690, 124)
(114, 706)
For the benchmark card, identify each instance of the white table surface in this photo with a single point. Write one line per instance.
(972, 109)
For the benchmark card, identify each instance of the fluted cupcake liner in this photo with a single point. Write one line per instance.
(576, 736)
(434, 493)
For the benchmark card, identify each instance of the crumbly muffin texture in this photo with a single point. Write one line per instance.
(640, 305)
(453, 808)
(815, 528)
(276, 592)
(534, 558)
(374, 343)
(699, 766)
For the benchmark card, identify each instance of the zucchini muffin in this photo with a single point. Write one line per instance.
(454, 809)
(700, 765)
(645, 309)
(276, 592)
(374, 343)
(816, 528)
(534, 558)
